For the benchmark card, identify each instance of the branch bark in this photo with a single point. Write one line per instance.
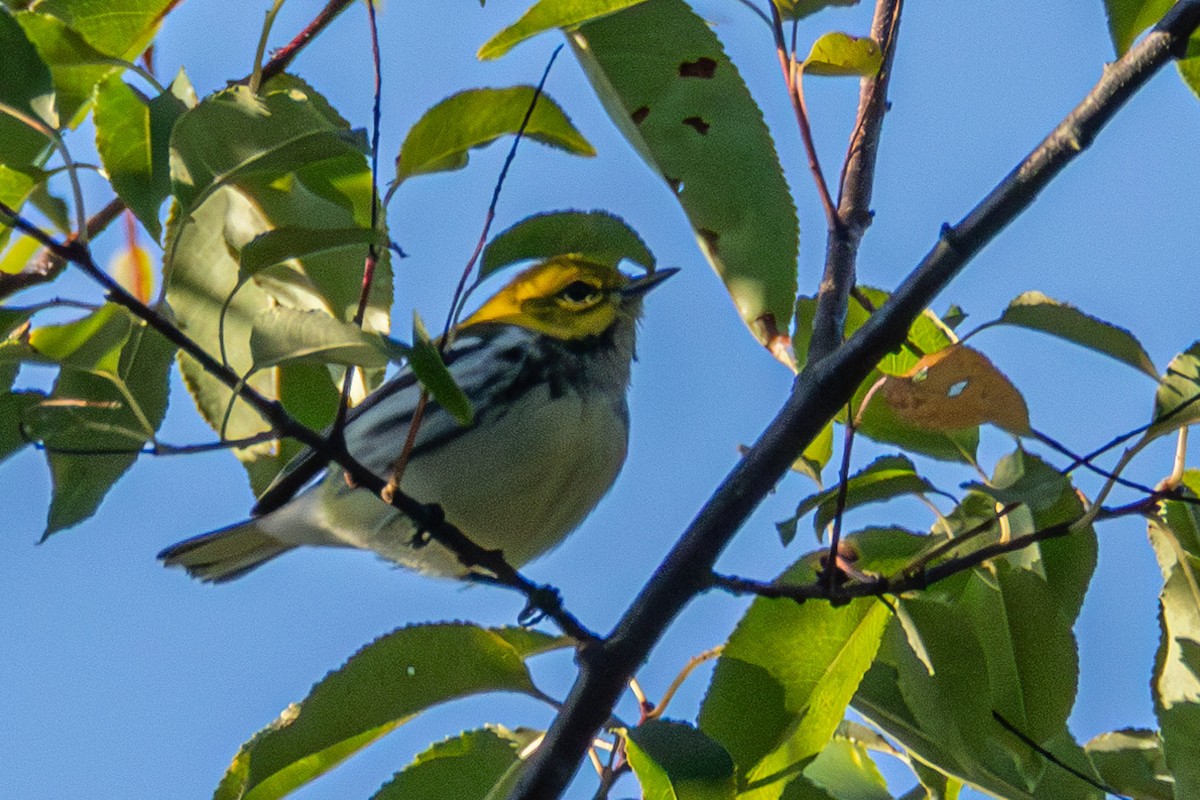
(824, 386)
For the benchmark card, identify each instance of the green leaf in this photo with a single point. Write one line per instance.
(296, 168)
(545, 15)
(427, 364)
(75, 65)
(1189, 65)
(285, 244)
(1131, 762)
(13, 408)
(282, 334)
(846, 770)
(885, 478)
(666, 82)
(813, 460)
(92, 343)
(674, 761)
(133, 137)
(1038, 312)
(1177, 400)
(441, 140)
(595, 236)
(1128, 18)
(26, 87)
(1175, 535)
(797, 665)
(837, 53)
(108, 415)
(381, 687)
(798, 9)
(465, 767)
(236, 134)
(118, 28)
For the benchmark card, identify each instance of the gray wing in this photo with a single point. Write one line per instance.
(375, 429)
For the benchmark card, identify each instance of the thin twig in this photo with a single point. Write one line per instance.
(832, 572)
(368, 278)
(825, 386)
(1055, 760)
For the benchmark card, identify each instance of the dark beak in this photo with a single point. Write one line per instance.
(639, 286)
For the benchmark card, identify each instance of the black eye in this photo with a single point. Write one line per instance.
(580, 292)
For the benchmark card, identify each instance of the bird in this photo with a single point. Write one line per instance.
(546, 365)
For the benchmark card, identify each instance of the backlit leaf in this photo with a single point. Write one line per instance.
(1177, 400)
(1038, 312)
(674, 761)
(798, 9)
(1128, 18)
(1131, 762)
(545, 15)
(283, 334)
(442, 139)
(427, 364)
(595, 236)
(466, 767)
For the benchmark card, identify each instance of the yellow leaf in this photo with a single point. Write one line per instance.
(131, 268)
(956, 388)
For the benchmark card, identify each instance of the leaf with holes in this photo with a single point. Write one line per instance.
(666, 82)
(954, 389)
(441, 140)
(595, 236)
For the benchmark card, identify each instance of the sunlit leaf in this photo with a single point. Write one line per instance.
(132, 137)
(1175, 685)
(442, 139)
(674, 761)
(1038, 312)
(666, 82)
(837, 53)
(797, 665)
(1177, 400)
(545, 15)
(1131, 762)
(132, 269)
(845, 769)
(1128, 18)
(595, 236)
(954, 389)
(382, 686)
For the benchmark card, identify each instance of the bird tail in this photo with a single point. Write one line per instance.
(225, 554)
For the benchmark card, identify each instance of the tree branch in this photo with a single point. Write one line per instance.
(854, 192)
(824, 386)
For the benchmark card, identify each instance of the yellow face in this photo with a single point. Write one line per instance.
(564, 297)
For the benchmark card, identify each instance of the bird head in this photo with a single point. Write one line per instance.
(569, 298)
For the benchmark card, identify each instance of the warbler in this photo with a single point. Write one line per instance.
(545, 363)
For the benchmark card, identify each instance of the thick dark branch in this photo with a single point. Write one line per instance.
(823, 387)
(428, 518)
(854, 192)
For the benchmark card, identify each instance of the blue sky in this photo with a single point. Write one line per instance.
(122, 679)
